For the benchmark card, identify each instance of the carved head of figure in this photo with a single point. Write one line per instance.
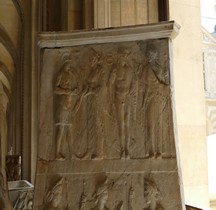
(151, 194)
(54, 196)
(94, 58)
(67, 78)
(102, 194)
(123, 62)
(123, 58)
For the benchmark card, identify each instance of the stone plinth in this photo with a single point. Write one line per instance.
(106, 120)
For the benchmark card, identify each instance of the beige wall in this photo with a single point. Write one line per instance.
(190, 101)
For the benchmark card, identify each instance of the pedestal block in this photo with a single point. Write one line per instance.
(106, 121)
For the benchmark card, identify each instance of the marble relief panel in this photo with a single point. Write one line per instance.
(110, 191)
(111, 101)
(106, 136)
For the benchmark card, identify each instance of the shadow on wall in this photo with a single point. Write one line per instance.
(192, 208)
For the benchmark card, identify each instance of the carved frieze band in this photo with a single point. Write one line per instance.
(103, 192)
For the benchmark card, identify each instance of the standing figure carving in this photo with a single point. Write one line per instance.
(152, 103)
(5, 203)
(67, 99)
(155, 102)
(94, 116)
(120, 86)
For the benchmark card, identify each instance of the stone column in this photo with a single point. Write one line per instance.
(5, 203)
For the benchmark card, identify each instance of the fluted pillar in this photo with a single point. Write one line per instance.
(114, 13)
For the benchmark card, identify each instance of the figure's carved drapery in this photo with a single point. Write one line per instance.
(106, 136)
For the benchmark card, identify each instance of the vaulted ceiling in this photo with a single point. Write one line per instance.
(10, 41)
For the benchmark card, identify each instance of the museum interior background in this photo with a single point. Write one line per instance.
(21, 22)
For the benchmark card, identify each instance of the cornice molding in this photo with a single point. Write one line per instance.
(168, 29)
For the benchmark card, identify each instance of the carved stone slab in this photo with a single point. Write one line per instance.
(106, 129)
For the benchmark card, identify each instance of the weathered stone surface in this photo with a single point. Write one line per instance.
(106, 136)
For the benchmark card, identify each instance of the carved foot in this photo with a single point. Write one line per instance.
(157, 155)
(94, 157)
(122, 154)
(165, 155)
(60, 157)
(147, 155)
(127, 156)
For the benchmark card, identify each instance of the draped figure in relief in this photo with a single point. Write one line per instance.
(156, 101)
(68, 97)
(120, 86)
(94, 113)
